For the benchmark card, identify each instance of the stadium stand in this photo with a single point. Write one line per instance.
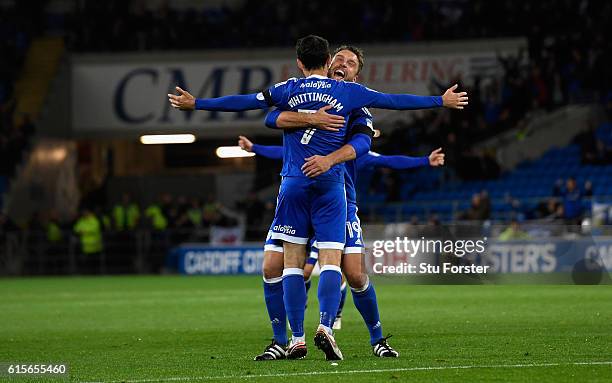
(517, 194)
(565, 63)
(16, 127)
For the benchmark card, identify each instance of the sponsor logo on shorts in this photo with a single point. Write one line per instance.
(285, 229)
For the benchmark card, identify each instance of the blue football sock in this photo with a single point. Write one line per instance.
(365, 301)
(294, 296)
(342, 299)
(273, 293)
(330, 280)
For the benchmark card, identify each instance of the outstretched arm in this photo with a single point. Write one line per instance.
(436, 158)
(319, 119)
(449, 99)
(185, 101)
(268, 151)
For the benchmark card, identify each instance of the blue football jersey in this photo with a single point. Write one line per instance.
(308, 95)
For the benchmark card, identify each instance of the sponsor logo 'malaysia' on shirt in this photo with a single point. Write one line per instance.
(316, 85)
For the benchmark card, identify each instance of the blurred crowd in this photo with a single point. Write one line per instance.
(561, 213)
(129, 236)
(135, 25)
(16, 30)
(566, 38)
(596, 142)
(565, 205)
(528, 87)
(567, 60)
(117, 230)
(595, 150)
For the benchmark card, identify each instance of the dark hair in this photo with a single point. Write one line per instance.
(358, 52)
(312, 51)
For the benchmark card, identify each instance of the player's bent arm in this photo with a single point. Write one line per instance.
(358, 145)
(294, 120)
(268, 151)
(278, 119)
(345, 153)
(361, 144)
(318, 119)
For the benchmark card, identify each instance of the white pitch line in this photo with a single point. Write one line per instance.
(312, 373)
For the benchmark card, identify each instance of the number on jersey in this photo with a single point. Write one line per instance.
(309, 132)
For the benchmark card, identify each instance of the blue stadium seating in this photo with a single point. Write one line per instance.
(530, 182)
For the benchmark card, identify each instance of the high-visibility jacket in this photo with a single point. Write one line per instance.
(126, 217)
(155, 214)
(195, 216)
(54, 232)
(89, 230)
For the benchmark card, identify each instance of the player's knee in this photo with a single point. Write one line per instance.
(353, 267)
(273, 264)
(330, 257)
(294, 255)
(270, 272)
(354, 272)
(356, 278)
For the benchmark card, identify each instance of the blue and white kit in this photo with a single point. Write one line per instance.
(317, 206)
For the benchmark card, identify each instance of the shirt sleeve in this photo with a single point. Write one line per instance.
(268, 151)
(361, 121)
(276, 94)
(361, 131)
(361, 143)
(375, 160)
(366, 97)
(272, 96)
(272, 117)
(237, 103)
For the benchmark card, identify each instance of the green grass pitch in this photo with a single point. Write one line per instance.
(171, 328)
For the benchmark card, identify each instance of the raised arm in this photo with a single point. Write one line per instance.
(375, 99)
(319, 119)
(237, 103)
(436, 158)
(268, 151)
(185, 101)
